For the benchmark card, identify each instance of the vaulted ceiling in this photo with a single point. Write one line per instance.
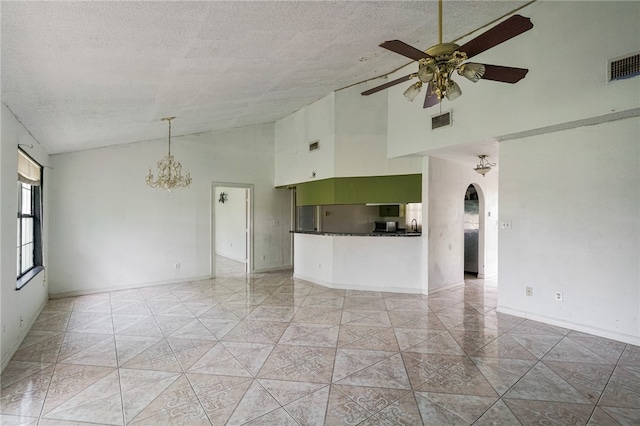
(82, 75)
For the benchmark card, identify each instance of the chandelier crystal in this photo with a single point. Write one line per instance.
(169, 171)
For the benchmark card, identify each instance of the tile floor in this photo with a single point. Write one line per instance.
(271, 350)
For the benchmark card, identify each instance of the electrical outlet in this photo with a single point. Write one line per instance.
(505, 224)
(176, 266)
(529, 291)
(559, 296)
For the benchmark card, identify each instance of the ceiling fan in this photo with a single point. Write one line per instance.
(437, 63)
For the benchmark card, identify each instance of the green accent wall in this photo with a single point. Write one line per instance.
(361, 190)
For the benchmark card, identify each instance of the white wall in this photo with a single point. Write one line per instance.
(566, 53)
(352, 130)
(445, 231)
(113, 231)
(575, 228)
(489, 223)
(568, 242)
(313, 258)
(447, 184)
(27, 302)
(360, 263)
(230, 220)
(294, 163)
(361, 136)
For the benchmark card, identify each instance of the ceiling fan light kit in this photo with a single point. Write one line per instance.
(437, 63)
(452, 91)
(413, 91)
(472, 71)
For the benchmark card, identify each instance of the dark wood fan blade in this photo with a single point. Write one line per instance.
(504, 74)
(431, 98)
(389, 84)
(404, 49)
(502, 32)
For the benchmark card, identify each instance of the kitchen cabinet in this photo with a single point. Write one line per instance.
(396, 189)
(391, 210)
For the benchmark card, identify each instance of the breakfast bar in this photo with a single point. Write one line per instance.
(359, 261)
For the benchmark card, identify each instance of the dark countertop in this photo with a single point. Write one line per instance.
(359, 234)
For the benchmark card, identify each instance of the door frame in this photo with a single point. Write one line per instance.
(481, 229)
(249, 224)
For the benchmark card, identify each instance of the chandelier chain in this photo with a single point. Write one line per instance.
(169, 171)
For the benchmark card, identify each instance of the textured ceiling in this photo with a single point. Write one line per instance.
(82, 75)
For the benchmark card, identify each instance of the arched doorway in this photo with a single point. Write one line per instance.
(472, 231)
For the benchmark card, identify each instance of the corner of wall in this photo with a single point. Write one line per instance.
(19, 309)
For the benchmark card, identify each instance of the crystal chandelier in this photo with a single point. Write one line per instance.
(169, 171)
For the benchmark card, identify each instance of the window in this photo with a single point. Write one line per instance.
(29, 241)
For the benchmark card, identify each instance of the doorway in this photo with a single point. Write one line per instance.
(231, 236)
(471, 231)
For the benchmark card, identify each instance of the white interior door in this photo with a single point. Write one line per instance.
(231, 236)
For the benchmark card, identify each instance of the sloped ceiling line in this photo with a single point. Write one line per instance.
(82, 75)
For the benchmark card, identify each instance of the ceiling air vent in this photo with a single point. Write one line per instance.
(624, 67)
(314, 145)
(441, 120)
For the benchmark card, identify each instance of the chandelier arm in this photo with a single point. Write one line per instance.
(169, 171)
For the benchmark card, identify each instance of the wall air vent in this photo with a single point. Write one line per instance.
(314, 145)
(624, 67)
(441, 120)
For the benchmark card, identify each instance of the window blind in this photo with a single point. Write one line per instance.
(29, 171)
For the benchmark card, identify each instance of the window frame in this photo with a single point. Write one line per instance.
(27, 274)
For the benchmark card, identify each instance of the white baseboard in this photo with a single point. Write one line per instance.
(596, 331)
(312, 280)
(487, 276)
(445, 287)
(347, 286)
(85, 292)
(6, 356)
(274, 269)
(231, 257)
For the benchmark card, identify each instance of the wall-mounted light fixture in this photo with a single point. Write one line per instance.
(484, 167)
(223, 197)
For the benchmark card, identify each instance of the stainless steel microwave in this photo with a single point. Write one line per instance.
(385, 227)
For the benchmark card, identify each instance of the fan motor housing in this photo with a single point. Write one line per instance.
(441, 49)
